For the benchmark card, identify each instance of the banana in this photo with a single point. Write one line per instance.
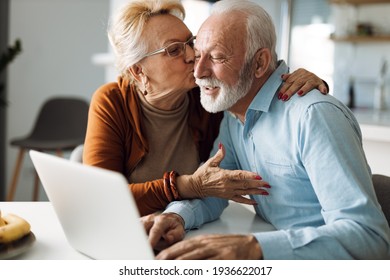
(15, 228)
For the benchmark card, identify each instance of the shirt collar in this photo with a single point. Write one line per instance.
(265, 95)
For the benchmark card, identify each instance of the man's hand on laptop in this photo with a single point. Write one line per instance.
(163, 229)
(214, 247)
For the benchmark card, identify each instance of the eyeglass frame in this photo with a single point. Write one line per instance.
(164, 49)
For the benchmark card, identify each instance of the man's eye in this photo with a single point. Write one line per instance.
(217, 59)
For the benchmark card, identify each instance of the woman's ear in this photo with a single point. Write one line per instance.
(262, 60)
(140, 77)
(137, 72)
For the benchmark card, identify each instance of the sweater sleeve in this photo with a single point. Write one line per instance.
(112, 144)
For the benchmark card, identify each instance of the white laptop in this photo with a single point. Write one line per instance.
(95, 208)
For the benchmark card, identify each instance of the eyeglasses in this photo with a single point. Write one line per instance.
(174, 49)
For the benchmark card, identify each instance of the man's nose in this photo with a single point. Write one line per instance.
(201, 69)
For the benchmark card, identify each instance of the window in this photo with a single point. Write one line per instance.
(310, 46)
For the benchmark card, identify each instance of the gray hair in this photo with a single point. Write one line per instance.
(126, 28)
(260, 28)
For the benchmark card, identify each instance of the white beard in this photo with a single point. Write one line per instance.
(228, 95)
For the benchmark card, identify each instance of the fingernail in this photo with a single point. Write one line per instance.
(282, 76)
(285, 97)
(300, 92)
(267, 186)
(220, 145)
(257, 177)
(280, 95)
(265, 193)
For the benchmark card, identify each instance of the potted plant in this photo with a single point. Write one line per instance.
(6, 58)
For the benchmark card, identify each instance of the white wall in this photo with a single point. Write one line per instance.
(59, 38)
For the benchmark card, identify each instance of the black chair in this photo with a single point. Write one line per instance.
(382, 189)
(60, 126)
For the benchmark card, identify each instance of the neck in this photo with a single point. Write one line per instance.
(166, 101)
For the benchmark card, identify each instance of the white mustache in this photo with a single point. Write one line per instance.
(208, 82)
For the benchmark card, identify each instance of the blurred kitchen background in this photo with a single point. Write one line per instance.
(65, 52)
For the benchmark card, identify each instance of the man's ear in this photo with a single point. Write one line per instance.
(262, 60)
(137, 72)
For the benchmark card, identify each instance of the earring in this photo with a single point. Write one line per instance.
(144, 92)
(144, 82)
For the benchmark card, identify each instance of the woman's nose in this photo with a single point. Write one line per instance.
(189, 54)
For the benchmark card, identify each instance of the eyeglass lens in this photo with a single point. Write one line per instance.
(176, 49)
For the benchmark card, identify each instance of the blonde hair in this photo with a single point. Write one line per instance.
(126, 28)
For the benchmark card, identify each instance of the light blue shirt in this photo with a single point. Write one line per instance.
(322, 201)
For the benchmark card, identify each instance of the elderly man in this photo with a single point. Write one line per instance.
(309, 150)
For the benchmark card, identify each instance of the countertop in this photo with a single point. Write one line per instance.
(375, 125)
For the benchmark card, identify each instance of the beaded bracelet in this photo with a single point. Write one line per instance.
(171, 185)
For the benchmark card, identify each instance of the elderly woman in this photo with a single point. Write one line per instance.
(150, 125)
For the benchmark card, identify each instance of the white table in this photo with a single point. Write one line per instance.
(51, 243)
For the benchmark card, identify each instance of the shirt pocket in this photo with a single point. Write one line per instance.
(280, 168)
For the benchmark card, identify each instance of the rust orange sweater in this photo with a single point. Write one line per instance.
(115, 138)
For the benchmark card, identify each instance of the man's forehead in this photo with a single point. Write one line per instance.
(210, 39)
(217, 31)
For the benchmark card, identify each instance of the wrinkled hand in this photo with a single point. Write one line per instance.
(216, 247)
(163, 229)
(148, 221)
(211, 180)
(300, 81)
